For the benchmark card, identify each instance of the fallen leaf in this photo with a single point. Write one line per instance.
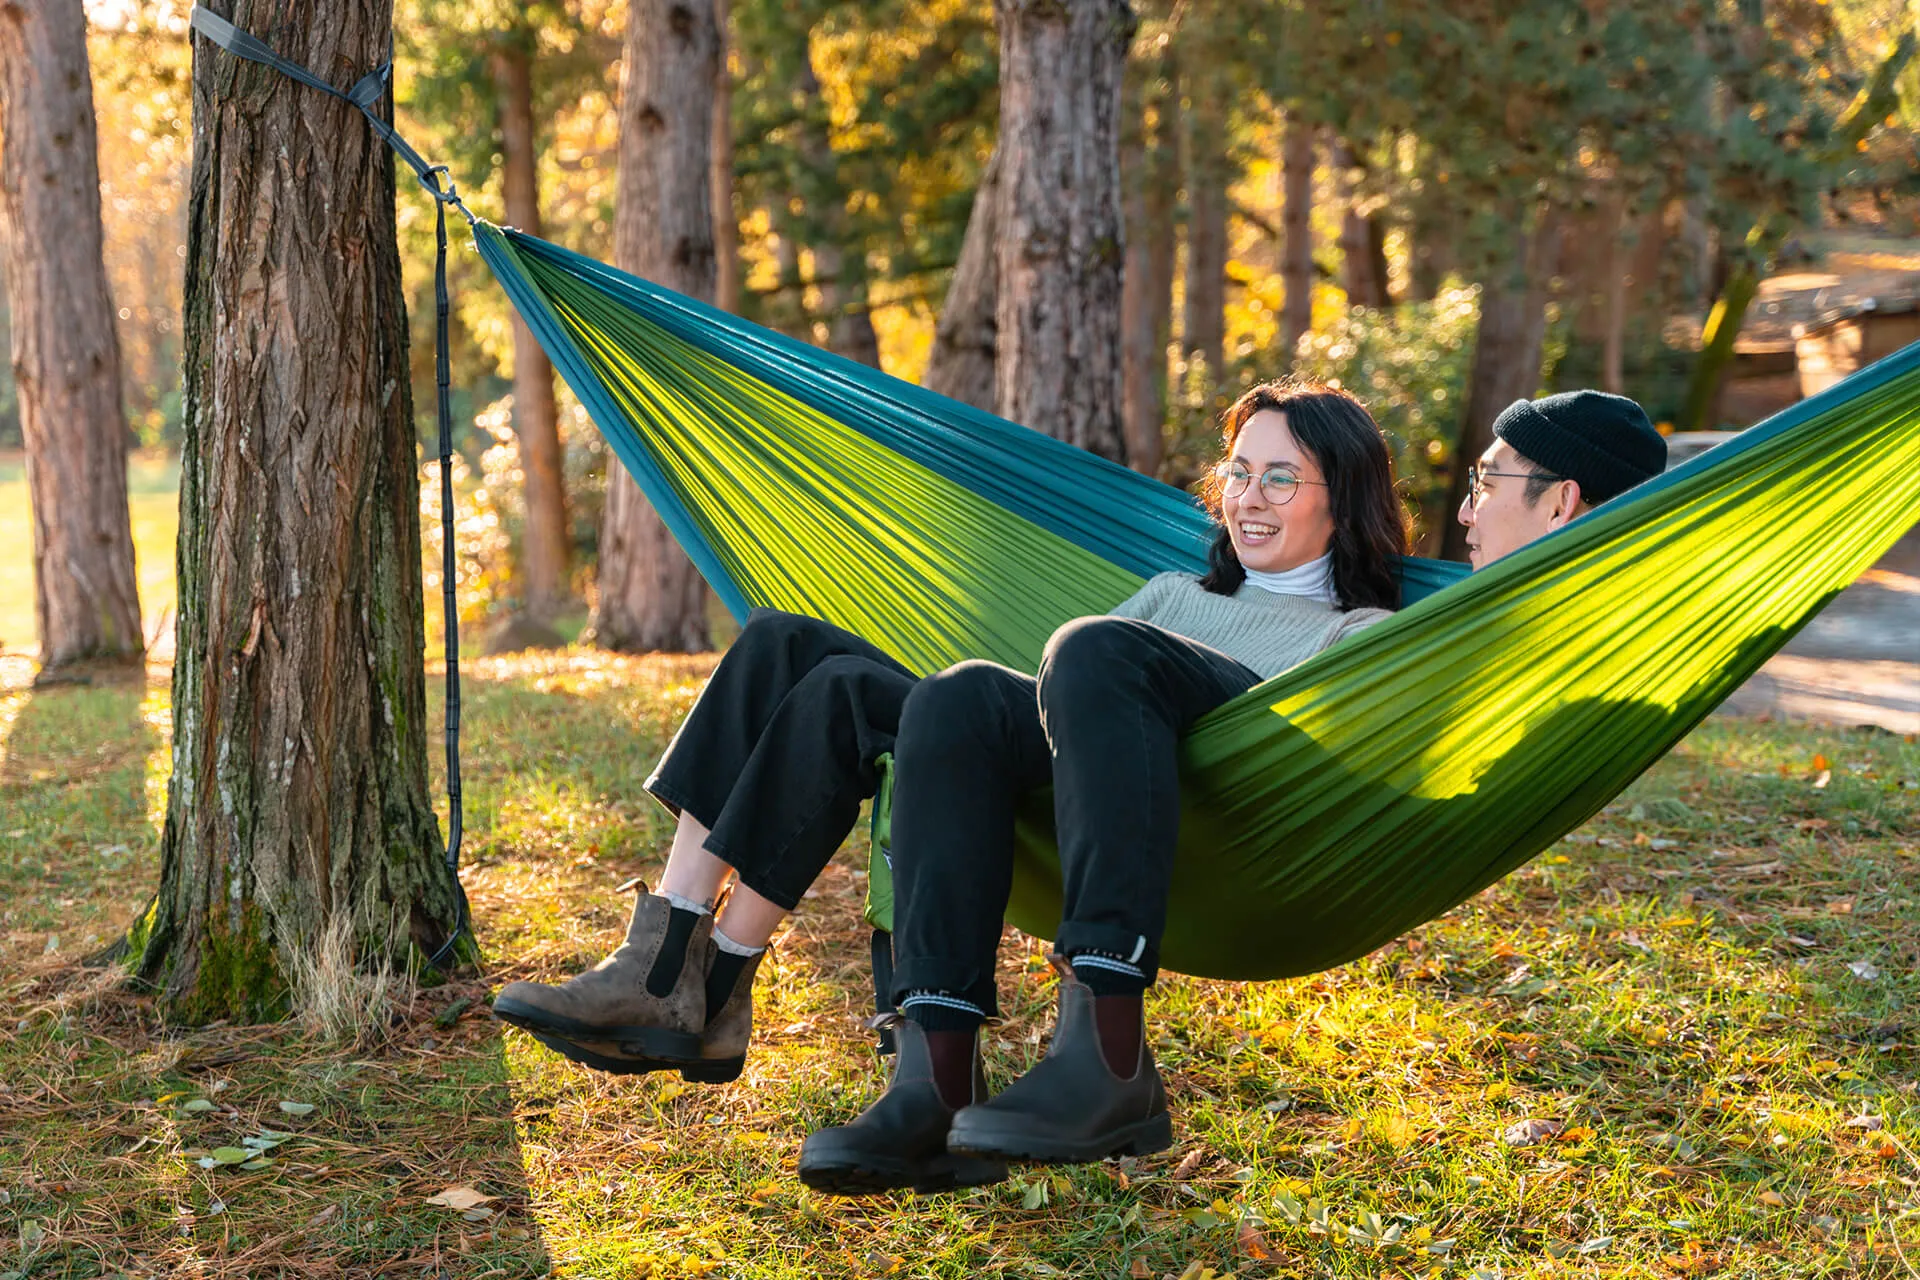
(461, 1198)
(1188, 1163)
(1820, 764)
(1865, 970)
(1820, 783)
(1773, 1199)
(230, 1155)
(1140, 1270)
(197, 1105)
(1528, 1132)
(297, 1108)
(1251, 1242)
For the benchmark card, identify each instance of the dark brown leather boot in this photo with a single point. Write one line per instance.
(1072, 1108)
(634, 1006)
(901, 1140)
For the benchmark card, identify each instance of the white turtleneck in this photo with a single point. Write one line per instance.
(1314, 580)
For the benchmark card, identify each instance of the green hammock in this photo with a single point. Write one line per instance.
(1339, 804)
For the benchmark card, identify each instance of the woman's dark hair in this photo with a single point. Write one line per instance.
(1370, 527)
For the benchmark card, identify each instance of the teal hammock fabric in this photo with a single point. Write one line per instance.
(1339, 804)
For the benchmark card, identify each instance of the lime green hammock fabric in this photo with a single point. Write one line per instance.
(1339, 804)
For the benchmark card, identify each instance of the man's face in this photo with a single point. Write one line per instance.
(1500, 521)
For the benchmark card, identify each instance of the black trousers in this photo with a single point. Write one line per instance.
(1102, 723)
(777, 754)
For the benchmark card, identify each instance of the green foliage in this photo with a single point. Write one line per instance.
(882, 154)
(1410, 364)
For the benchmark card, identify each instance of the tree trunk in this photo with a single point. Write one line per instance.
(1613, 376)
(726, 228)
(1208, 174)
(1362, 239)
(299, 791)
(1057, 365)
(536, 416)
(66, 354)
(839, 267)
(1149, 172)
(1506, 358)
(1296, 220)
(960, 366)
(651, 597)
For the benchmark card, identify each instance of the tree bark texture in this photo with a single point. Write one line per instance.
(1296, 223)
(1362, 239)
(1506, 357)
(299, 787)
(651, 597)
(66, 353)
(839, 265)
(1150, 174)
(1057, 362)
(726, 228)
(961, 364)
(1208, 173)
(536, 415)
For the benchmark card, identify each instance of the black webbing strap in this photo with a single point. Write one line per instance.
(367, 91)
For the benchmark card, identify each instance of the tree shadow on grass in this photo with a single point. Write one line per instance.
(107, 1114)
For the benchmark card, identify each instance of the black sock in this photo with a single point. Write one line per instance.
(665, 974)
(1103, 981)
(722, 976)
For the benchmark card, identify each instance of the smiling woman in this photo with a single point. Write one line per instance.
(1324, 504)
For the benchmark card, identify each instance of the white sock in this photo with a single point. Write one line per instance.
(687, 904)
(732, 948)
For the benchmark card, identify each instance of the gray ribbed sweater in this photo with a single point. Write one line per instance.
(1257, 628)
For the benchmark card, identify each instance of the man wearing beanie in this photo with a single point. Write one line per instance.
(1551, 460)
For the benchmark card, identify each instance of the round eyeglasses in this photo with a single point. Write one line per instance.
(1477, 477)
(1277, 484)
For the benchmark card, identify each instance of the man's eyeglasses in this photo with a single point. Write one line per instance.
(1477, 476)
(1277, 483)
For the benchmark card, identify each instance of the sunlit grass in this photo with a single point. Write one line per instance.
(152, 484)
(1670, 1004)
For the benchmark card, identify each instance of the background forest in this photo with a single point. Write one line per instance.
(1340, 190)
(244, 978)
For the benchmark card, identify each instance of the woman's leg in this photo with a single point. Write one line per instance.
(970, 745)
(790, 725)
(1115, 695)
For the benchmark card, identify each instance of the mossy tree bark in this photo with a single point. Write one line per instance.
(66, 354)
(1057, 327)
(651, 597)
(299, 787)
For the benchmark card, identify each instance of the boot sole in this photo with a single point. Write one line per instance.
(710, 1071)
(1142, 1138)
(675, 1048)
(846, 1175)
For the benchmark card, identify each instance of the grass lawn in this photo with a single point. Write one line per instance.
(153, 482)
(1682, 1043)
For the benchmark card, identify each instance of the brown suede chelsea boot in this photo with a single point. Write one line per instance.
(644, 1005)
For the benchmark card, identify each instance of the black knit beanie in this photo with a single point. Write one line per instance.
(1603, 441)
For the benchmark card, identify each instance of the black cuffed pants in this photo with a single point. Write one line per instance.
(779, 751)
